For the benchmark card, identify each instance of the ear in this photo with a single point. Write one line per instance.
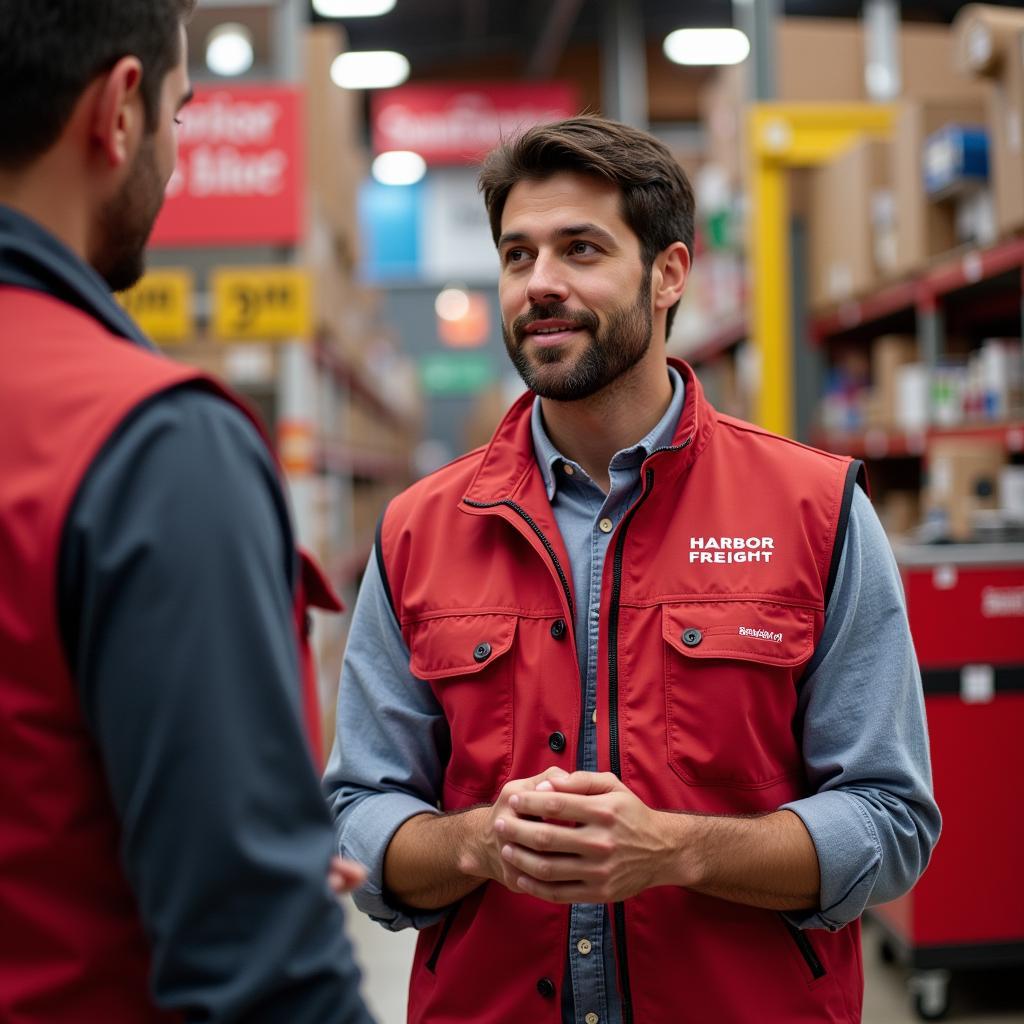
(671, 269)
(118, 114)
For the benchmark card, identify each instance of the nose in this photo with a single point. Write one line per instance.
(547, 281)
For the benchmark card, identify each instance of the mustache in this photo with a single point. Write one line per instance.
(554, 311)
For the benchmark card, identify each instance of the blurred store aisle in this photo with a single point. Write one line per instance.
(982, 998)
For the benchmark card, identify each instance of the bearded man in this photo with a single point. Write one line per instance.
(630, 725)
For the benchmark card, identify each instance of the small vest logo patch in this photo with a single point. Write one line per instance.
(761, 634)
(731, 550)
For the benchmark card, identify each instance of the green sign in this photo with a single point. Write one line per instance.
(456, 373)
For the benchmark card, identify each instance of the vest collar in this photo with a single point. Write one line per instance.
(509, 462)
(31, 257)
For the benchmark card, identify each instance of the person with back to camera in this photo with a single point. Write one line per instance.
(164, 847)
(630, 724)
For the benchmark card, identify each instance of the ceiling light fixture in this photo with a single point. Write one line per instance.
(352, 8)
(229, 50)
(369, 69)
(706, 46)
(399, 167)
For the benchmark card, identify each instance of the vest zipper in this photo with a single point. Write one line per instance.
(619, 909)
(803, 943)
(528, 519)
(446, 927)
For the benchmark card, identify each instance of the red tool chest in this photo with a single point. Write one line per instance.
(966, 609)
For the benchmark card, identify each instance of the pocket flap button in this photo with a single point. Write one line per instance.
(692, 637)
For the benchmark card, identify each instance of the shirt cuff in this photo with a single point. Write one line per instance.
(364, 837)
(849, 857)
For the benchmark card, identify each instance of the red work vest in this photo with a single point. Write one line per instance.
(712, 602)
(72, 947)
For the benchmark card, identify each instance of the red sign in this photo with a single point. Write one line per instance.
(458, 123)
(241, 169)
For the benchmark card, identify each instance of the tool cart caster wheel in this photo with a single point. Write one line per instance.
(929, 991)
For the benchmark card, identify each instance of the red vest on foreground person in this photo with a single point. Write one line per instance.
(71, 945)
(698, 675)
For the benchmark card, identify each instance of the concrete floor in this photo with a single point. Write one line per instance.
(985, 997)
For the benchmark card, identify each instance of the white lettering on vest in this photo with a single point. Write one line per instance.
(731, 550)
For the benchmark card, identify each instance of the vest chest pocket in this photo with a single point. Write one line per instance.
(731, 669)
(468, 662)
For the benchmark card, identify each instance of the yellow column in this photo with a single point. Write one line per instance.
(771, 327)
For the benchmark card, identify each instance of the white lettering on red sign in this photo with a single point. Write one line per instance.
(1002, 602)
(213, 164)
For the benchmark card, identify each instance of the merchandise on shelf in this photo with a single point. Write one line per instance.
(923, 229)
(963, 480)
(848, 208)
(955, 160)
(988, 46)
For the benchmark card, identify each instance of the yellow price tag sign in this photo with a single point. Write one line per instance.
(261, 304)
(162, 304)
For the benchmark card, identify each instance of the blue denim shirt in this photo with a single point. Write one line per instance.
(865, 743)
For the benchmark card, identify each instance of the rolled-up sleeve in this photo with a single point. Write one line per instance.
(390, 748)
(872, 815)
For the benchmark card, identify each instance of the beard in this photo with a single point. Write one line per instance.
(613, 349)
(127, 220)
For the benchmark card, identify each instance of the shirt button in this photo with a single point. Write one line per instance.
(593, 716)
(546, 987)
(591, 1018)
(568, 469)
(482, 652)
(692, 637)
(558, 629)
(556, 741)
(606, 526)
(583, 947)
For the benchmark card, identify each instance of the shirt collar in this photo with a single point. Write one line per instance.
(549, 457)
(31, 257)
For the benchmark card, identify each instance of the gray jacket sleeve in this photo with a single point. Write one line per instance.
(872, 816)
(176, 611)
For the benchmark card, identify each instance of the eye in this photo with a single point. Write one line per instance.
(515, 255)
(178, 121)
(582, 249)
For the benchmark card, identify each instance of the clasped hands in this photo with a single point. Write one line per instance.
(583, 837)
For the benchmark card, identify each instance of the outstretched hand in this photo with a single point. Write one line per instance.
(345, 876)
(584, 838)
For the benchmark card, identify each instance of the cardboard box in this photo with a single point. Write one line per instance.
(924, 229)
(988, 45)
(888, 353)
(899, 511)
(963, 478)
(333, 132)
(845, 194)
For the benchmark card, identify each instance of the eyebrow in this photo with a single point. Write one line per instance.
(569, 231)
(187, 98)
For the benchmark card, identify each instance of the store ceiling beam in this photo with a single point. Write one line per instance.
(554, 35)
(756, 19)
(624, 63)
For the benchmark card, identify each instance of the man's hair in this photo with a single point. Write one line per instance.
(657, 199)
(50, 50)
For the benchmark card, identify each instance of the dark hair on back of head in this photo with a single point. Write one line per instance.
(50, 50)
(657, 199)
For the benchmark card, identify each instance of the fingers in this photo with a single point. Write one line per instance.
(344, 876)
(586, 783)
(564, 807)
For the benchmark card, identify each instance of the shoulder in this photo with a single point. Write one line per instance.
(749, 433)
(442, 488)
(772, 456)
